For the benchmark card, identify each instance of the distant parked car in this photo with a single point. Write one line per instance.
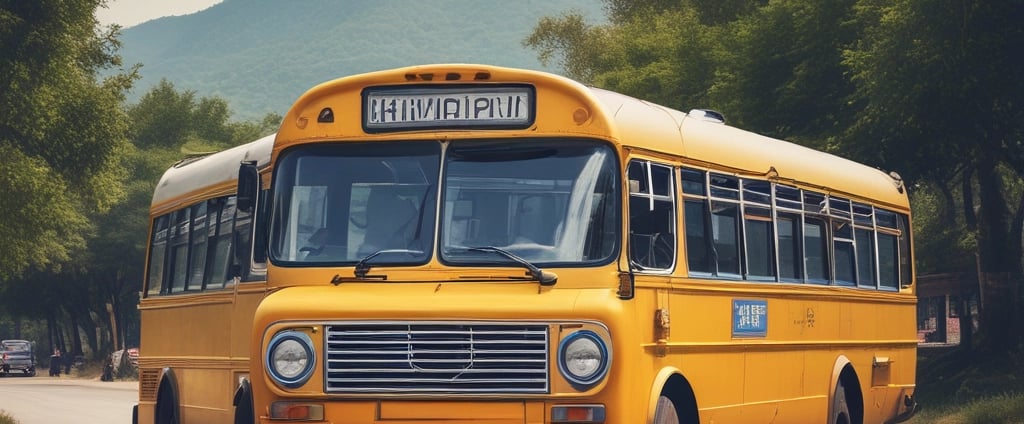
(17, 355)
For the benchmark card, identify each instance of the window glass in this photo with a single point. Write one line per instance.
(790, 257)
(906, 266)
(760, 243)
(652, 218)
(243, 240)
(839, 207)
(865, 257)
(814, 203)
(725, 187)
(661, 180)
(845, 262)
(787, 197)
(863, 215)
(758, 192)
(885, 219)
(693, 182)
(179, 250)
(197, 261)
(638, 182)
(546, 201)
(697, 252)
(340, 203)
(888, 274)
(157, 256)
(725, 233)
(816, 251)
(813, 238)
(223, 213)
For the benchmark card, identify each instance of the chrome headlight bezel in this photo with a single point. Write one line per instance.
(290, 339)
(588, 344)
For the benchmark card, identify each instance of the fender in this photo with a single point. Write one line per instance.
(243, 399)
(656, 387)
(172, 384)
(841, 362)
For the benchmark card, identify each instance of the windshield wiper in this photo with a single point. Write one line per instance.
(543, 277)
(363, 266)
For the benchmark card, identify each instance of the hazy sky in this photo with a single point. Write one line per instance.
(133, 12)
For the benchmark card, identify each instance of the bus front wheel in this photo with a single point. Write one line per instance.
(665, 412)
(840, 409)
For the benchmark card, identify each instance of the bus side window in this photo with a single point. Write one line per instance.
(725, 224)
(864, 239)
(842, 241)
(243, 240)
(178, 265)
(199, 244)
(758, 230)
(221, 219)
(157, 256)
(652, 215)
(699, 256)
(888, 250)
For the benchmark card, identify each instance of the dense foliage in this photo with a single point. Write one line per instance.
(930, 88)
(79, 171)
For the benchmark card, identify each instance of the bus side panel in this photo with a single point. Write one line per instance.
(787, 371)
(189, 334)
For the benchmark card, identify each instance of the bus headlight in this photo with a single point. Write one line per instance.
(583, 359)
(290, 358)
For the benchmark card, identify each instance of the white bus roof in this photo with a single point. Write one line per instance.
(188, 179)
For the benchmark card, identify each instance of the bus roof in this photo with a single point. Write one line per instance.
(216, 173)
(641, 124)
(618, 118)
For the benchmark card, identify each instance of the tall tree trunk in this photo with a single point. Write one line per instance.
(996, 262)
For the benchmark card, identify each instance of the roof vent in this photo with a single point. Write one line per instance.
(708, 115)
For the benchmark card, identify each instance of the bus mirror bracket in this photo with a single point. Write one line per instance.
(248, 186)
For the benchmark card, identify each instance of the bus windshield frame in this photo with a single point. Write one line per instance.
(551, 201)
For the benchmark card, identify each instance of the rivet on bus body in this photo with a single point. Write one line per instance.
(302, 122)
(581, 116)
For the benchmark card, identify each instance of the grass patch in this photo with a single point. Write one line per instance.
(998, 409)
(956, 386)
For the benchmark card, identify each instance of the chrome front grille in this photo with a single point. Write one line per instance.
(436, 357)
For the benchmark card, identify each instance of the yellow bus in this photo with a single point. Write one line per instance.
(461, 243)
(202, 285)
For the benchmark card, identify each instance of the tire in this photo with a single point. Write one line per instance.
(840, 409)
(665, 412)
(166, 409)
(243, 405)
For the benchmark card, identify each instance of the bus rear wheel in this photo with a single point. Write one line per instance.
(840, 409)
(665, 412)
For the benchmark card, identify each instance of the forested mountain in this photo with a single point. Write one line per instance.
(261, 55)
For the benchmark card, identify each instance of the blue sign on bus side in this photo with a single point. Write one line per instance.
(749, 318)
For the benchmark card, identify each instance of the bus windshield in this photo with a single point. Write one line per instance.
(340, 203)
(546, 201)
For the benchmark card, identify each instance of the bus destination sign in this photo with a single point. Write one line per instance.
(448, 106)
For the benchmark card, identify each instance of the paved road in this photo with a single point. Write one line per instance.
(43, 400)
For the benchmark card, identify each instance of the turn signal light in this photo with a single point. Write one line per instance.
(591, 414)
(298, 411)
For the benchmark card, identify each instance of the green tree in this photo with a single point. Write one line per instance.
(779, 70)
(938, 94)
(162, 117)
(62, 131)
(663, 56)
